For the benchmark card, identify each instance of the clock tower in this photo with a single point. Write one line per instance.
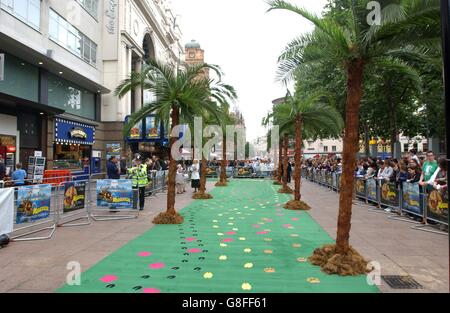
(195, 55)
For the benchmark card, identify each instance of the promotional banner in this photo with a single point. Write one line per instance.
(211, 171)
(113, 149)
(33, 203)
(411, 199)
(115, 194)
(389, 194)
(136, 132)
(335, 181)
(329, 179)
(372, 190)
(74, 196)
(244, 172)
(360, 187)
(6, 210)
(152, 131)
(437, 206)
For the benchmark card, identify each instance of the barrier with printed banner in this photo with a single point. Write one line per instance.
(33, 203)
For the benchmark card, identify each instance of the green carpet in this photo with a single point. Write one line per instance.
(241, 241)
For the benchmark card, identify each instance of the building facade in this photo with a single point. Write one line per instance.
(62, 63)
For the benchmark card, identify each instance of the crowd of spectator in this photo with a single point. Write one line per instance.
(425, 170)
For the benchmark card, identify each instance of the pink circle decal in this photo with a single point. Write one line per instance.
(144, 254)
(287, 225)
(108, 279)
(262, 233)
(157, 266)
(228, 240)
(295, 219)
(256, 226)
(190, 239)
(152, 290)
(195, 250)
(231, 233)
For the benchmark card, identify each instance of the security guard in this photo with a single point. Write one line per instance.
(138, 175)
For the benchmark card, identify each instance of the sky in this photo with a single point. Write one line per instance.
(245, 41)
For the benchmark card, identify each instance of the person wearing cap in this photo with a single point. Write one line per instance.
(139, 177)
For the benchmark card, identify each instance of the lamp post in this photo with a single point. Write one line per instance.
(445, 21)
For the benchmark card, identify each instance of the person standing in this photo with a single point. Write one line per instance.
(180, 179)
(138, 175)
(19, 175)
(195, 176)
(112, 168)
(429, 167)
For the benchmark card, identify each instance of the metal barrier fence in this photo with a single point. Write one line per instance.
(402, 200)
(72, 202)
(249, 172)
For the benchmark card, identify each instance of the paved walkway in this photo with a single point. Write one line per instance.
(40, 266)
(399, 249)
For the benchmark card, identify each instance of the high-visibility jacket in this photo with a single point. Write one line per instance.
(138, 175)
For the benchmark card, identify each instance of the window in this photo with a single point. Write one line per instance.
(406, 147)
(325, 149)
(71, 38)
(71, 98)
(28, 11)
(334, 148)
(91, 6)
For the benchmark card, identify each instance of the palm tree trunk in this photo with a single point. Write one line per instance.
(298, 153)
(203, 177)
(355, 71)
(285, 161)
(280, 162)
(172, 165)
(223, 169)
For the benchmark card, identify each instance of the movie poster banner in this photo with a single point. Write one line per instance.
(115, 194)
(437, 206)
(389, 194)
(152, 131)
(74, 196)
(411, 199)
(361, 187)
(33, 203)
(371, 186)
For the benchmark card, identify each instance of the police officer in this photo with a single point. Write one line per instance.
(138, 175)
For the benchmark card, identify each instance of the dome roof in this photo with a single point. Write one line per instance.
(192, 45)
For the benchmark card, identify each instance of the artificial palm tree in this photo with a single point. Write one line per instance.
(277, 116)
(179, 95)
(268, 122)
(353, 43)
(228, 119)
(309, 115)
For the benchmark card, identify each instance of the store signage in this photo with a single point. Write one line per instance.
(2, 66)
(10, 149)
(78, 133)
(70, 132)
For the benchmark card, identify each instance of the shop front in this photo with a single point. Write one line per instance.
(73, 148)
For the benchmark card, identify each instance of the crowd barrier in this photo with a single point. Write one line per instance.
(249, 172)
(70, 201)
(407, 199)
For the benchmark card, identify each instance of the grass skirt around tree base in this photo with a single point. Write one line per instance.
(221, 184)
(350, 264)
(202, 196)
(297, 206)
(168, 219)
(277, 183)
(286, 190)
